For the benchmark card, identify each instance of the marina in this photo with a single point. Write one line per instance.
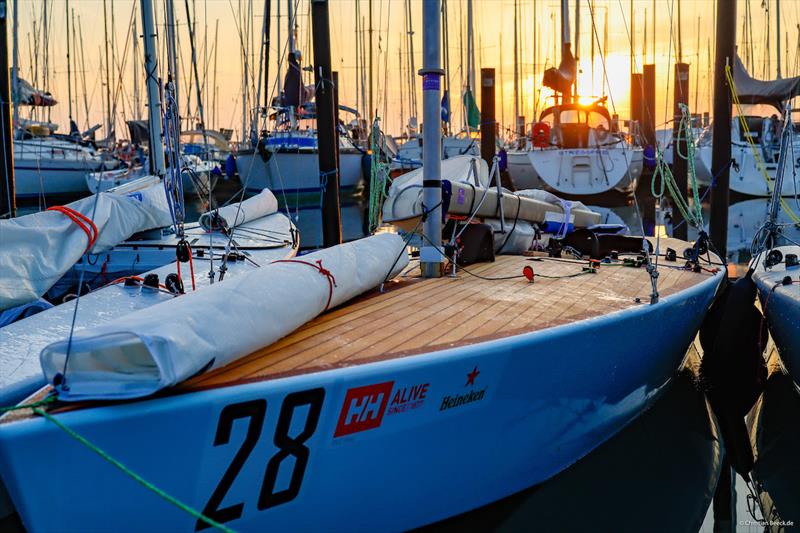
(391, 265)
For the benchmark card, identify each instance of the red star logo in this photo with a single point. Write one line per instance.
(471, 377)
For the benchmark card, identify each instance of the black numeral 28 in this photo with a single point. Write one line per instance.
(255, 411)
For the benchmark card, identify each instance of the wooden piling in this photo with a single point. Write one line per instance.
(679, 148)
(327, 138)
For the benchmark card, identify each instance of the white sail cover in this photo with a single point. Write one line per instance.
(230, 216)
(172, 341)
(455, 169)
(37, 249)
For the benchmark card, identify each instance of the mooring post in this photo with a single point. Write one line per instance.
(649, 105)
(721, 137)
(680, 165)
(327, 138)
(488, 141)
(637, 86)
(8, 204)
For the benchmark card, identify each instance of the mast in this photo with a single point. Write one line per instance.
(108, 72)
(778, 35)
(290, 24)
(470, 50)
(172, 47)
(215, 89)
(371, 67)
(137, 104)
(157, 166)
(430, 256)
(199, 94)
(721, 138)
(7, 189)
(578, 44)
(516, 68)
(14, 63)
(69, 71)
(446, 53)
(565, 36)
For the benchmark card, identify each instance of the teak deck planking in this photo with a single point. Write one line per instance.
(417, 315)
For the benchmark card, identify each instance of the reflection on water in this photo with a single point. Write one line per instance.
(659, 474)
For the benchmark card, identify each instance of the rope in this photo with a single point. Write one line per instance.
(82, 221)
(317, 265)
(36, 408)
(756, 156)
(379, 174)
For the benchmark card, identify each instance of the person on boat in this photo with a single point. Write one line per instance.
(293, 90)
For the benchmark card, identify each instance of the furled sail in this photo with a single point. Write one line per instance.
(561, 79)
(26, 94)
(230, 216)
(172, 341)
(36, 250)
(772, 92)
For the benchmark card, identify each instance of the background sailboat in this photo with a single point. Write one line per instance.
(576, 148)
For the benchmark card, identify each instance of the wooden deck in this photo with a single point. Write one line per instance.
(417, 315)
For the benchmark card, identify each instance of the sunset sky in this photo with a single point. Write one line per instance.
(493, 30)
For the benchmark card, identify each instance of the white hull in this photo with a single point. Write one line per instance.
(745, 176)
(104, 181)
(51, 167)
(578, 171)
(295, 172)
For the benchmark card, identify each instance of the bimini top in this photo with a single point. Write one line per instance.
(772, 92)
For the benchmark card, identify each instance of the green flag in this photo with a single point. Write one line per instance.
(473, 113)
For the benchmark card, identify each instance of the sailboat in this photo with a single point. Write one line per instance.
(576, 148)
(285, 158)
(755, 137)
(776, 264)
(46, 163)
(345, 365)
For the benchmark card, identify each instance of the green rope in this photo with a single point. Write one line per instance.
(47, 400)
(379, 174)
(693, 213)
(35, 406)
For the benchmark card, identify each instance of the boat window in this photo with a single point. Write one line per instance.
(569, 116)
(596, 119)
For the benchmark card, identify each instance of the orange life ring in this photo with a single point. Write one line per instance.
(540, 134)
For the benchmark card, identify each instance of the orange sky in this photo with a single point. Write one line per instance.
(493, 33)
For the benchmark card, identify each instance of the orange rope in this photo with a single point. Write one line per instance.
(82, 221)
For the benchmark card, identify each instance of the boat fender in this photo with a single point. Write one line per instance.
(230, 166)
(733, 371)
(447, 195)
(263, 152)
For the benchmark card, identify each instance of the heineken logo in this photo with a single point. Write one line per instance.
(457, 400)
(463, 398)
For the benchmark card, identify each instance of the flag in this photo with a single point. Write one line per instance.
(473, 114)
(445, 107)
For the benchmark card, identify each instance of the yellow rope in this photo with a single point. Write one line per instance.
(756, 155)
